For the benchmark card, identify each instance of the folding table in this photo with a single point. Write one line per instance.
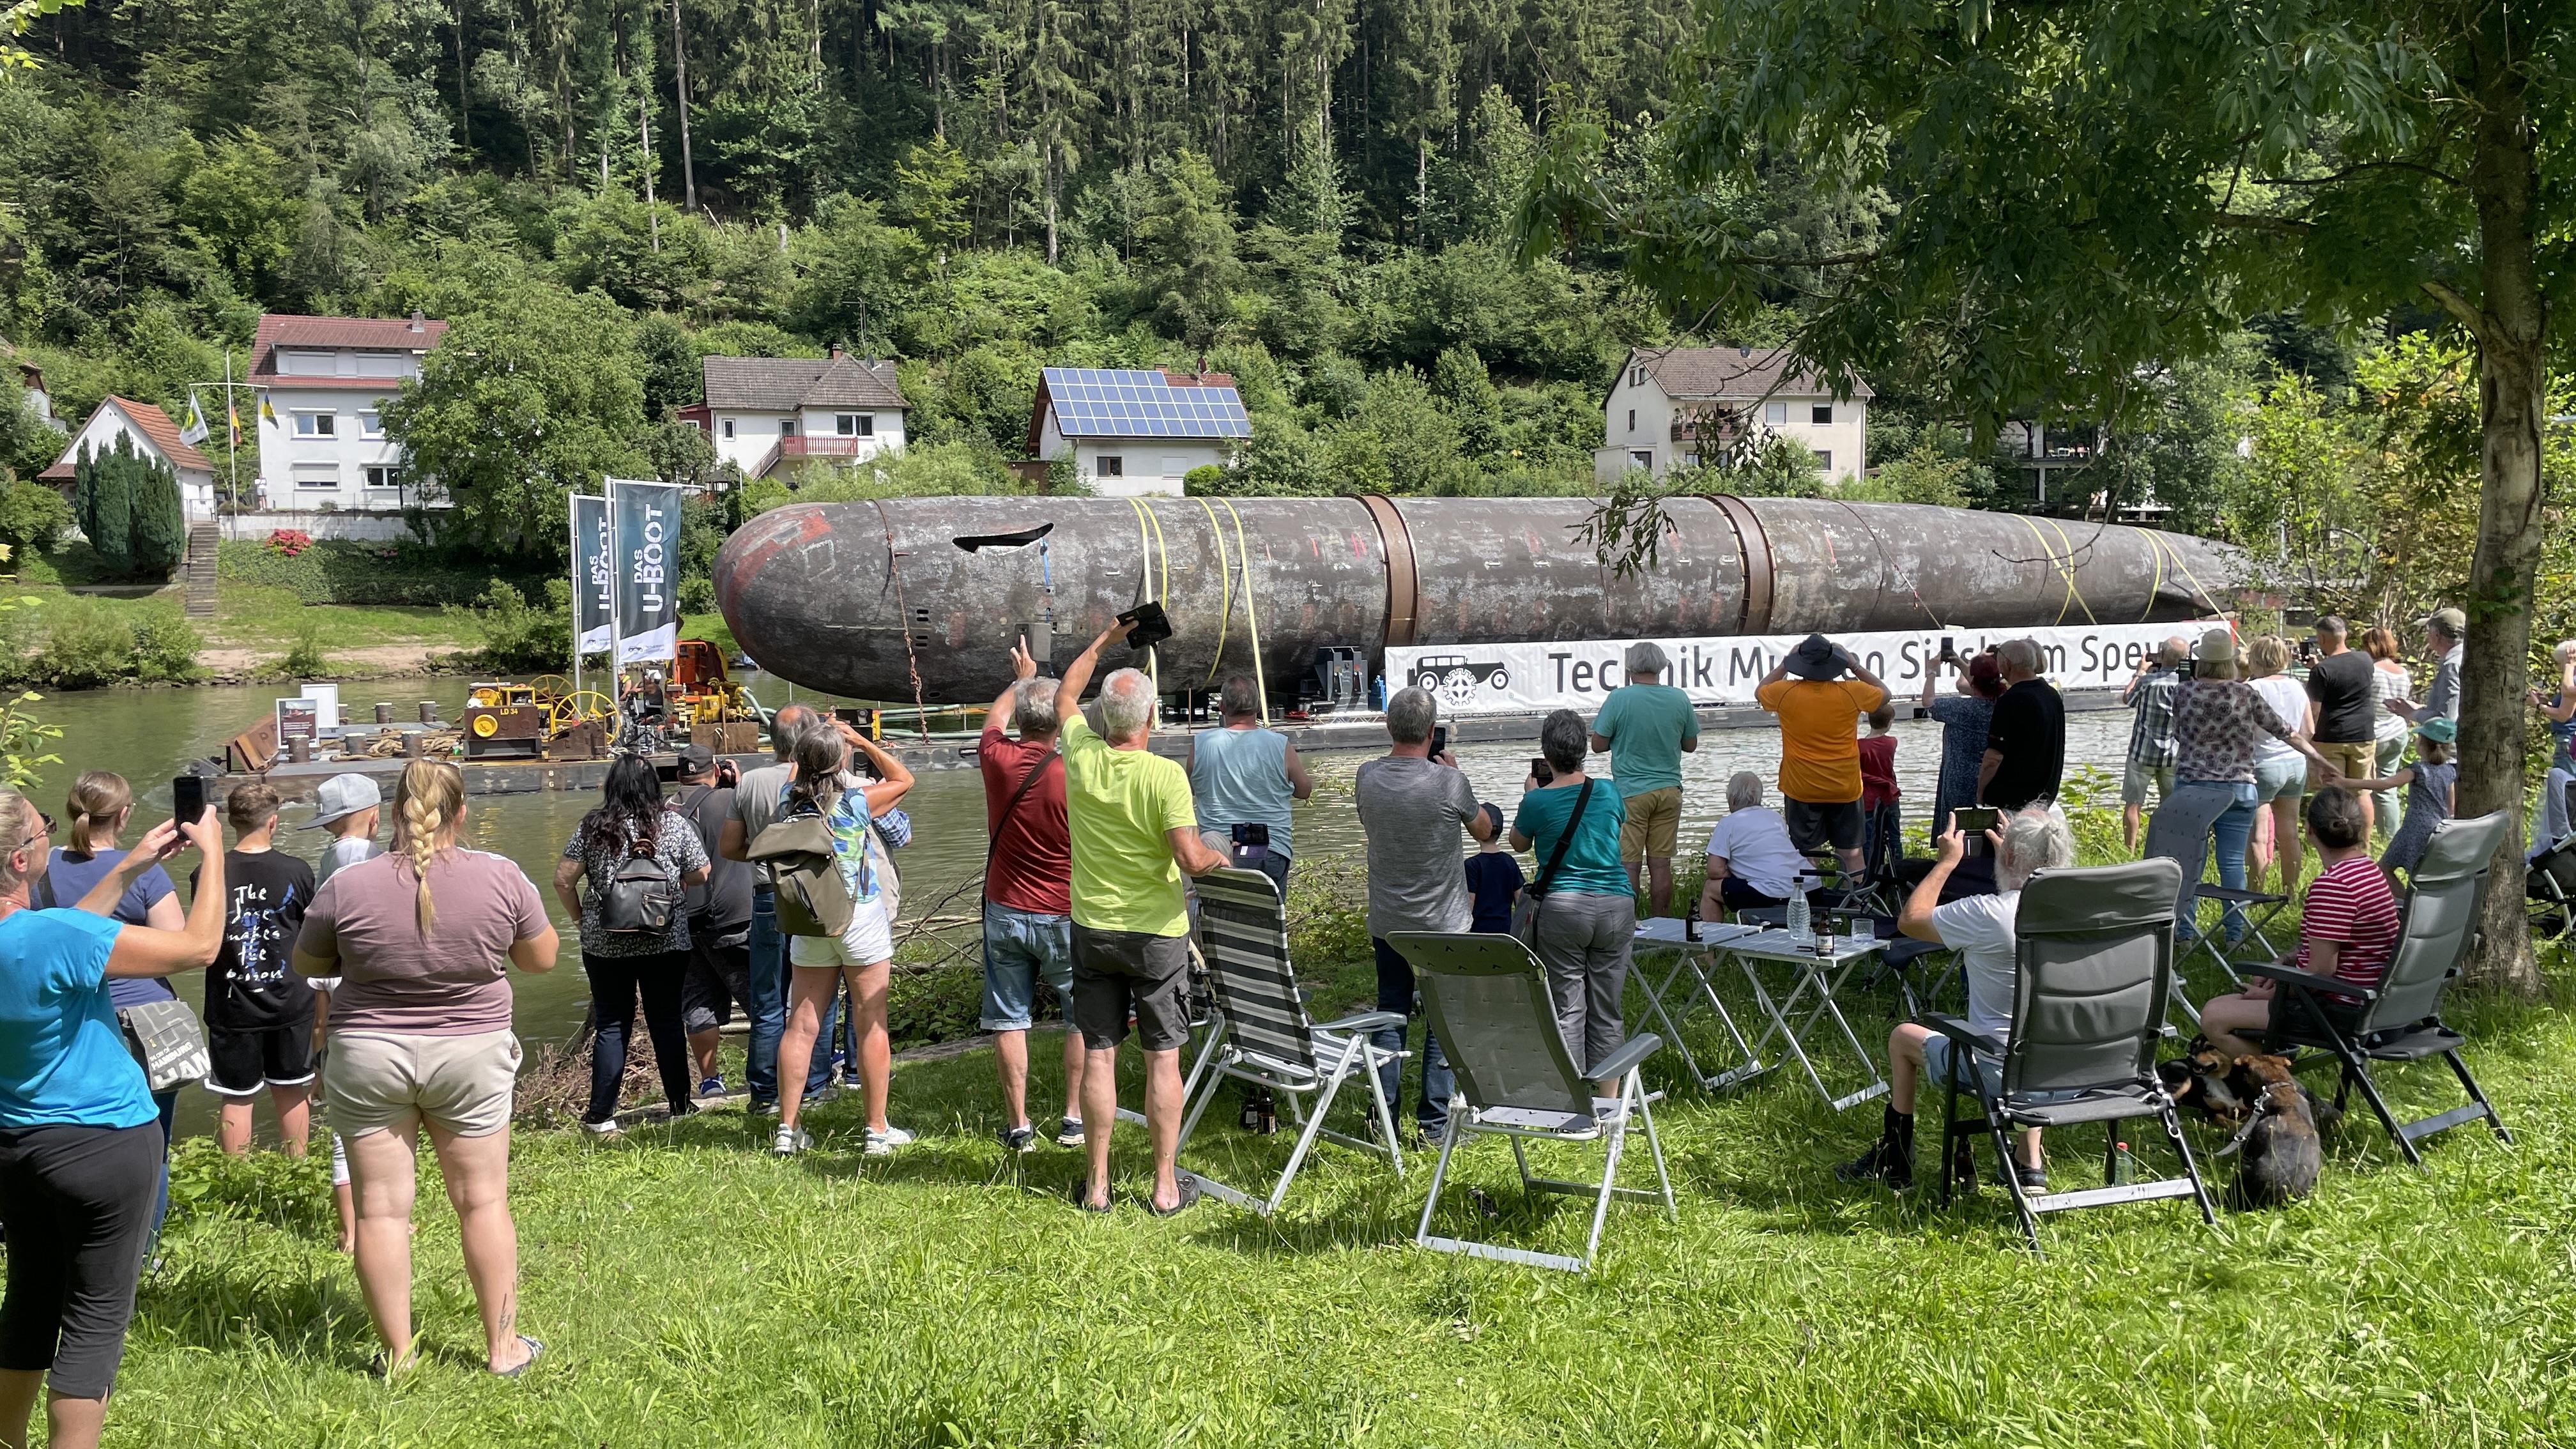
(1816, 976)
(1692, 959)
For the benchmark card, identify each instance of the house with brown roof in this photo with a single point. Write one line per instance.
(1674, 407)
(768, 413)
(323, 383)
(151, 433)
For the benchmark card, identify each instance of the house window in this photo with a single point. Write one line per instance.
(1825, 460)
(383, 364)
(1775, 415)
(1636, 378)
(855, 425)
(316, 425)
(371, 424)
(312, 475)
(787, 427)
(728, 427)
(383, 475)
(1111, 467)
(1822, 415)
(307, 364)
(1642, 458)
(1632, 420)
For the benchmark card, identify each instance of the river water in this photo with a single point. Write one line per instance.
(147, 735)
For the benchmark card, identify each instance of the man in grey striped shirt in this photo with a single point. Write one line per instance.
(2151, 733)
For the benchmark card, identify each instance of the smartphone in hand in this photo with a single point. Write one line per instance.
(1541, 771)
(1439, 741)
(1973, 822)
(187, 800)
(1147, 624)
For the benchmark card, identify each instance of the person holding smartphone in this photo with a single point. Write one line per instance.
(1818, 690)
(1244, 773)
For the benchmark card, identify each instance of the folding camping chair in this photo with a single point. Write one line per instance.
(2094, 963)
(1489, 1002)
(2179, 832)
(2549, 890)
(1268, 1040)
(2399, 1020)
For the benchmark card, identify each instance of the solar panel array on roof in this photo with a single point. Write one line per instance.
(1100, 402)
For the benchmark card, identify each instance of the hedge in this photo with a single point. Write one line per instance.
(338, 571)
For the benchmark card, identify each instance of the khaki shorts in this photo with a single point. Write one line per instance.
(2352, 761)
(459, 1083)
(1654, 825)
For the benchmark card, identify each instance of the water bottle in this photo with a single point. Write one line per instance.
(1800, 935)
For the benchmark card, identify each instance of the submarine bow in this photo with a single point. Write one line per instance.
(853, 598)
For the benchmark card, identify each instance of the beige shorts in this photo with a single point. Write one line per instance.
(460, 1083)
(2352, 761)
(1653, 826)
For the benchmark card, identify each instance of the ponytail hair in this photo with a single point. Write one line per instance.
(96, 799)
(429, 801)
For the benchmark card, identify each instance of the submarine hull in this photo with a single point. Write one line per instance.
(863, 599)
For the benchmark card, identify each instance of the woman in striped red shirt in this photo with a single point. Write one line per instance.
(2347, 929)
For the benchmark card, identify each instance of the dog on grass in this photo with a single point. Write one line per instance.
(2278, 1120)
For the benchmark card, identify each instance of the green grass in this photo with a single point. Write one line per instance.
(257, 616)
(692, 1290)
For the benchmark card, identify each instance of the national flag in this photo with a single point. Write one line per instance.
(267, 414)
(196, 430)
(232, 417)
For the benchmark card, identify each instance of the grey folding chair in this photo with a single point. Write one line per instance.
(2094, 963)
(2400, 1020)
(2179, 832)
(1489, 1002)
(1268, 1040)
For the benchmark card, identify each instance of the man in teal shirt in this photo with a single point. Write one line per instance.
(1646, 726)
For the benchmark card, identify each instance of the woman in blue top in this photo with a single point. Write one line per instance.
(79, 1149)
(2558, 711)
(98, 807)
(1587, 910)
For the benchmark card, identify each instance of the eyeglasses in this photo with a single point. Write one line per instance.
(46, 822)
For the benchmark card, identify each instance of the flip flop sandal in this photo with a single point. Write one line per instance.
(1080, 1192)
(1189, 1198)
(381, 1366)
(535, 1350)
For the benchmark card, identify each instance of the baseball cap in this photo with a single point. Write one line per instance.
(697, 760)
(1815, 658)
(342, 796)
(2450, 621)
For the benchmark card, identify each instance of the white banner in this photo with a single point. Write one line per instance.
(1523, 678)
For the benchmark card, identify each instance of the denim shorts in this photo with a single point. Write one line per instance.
(2280, 779)
(1937, 1050)
(1020, 947)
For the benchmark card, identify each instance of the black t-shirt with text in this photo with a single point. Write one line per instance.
(2342, 686)
(721, 906)
(253, 985)
(2029, 731)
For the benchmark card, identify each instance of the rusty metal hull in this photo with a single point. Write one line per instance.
(859, 599)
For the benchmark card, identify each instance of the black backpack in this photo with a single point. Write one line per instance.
(641, 897)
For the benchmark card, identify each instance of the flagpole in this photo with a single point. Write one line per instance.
(616, 595)
(580, 580)
(232, 442)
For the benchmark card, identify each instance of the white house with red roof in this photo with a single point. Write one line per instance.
(153, 436)
(768, 413)
(1674, 407)
(323, 383)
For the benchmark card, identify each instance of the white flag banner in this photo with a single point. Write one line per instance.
(1526, 678)
(196, 430)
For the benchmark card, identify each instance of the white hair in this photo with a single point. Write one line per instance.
(2565, 651)
(1743, 790)
(1647, 657)
(1126, 704)
(2035, 839)
(1033, 707)
(2021, 654)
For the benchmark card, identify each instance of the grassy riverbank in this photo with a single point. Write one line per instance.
(692, 1290)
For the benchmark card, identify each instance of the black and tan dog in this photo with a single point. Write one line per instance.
(2279, 1120)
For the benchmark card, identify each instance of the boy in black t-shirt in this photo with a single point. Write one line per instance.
(1494, 882)
(259, 1013)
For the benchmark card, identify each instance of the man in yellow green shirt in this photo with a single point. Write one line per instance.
(1134, 835)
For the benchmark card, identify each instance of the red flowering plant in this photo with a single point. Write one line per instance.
(289, 541)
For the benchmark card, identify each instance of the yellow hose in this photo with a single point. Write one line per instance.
(1251, 617)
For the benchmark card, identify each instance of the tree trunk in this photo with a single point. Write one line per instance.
(2512, 322)
(464, 122)
(680, 92)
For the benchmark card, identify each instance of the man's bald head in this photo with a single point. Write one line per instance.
(786, 724)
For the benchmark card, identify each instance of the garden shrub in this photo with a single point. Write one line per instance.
(518, 635)
(165, 643)
(88, 643)
(32, 517)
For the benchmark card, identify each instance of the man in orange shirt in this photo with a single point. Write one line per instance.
(1818, 707)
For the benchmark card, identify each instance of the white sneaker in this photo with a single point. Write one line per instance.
(883, 1144)
(790, 1141)
(605, 1129)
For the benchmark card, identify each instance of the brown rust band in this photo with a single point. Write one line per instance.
(1755, 547)
(1403, 579)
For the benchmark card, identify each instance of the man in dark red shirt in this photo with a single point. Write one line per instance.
(1028, 900)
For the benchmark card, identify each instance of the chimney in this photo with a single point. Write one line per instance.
(418, 322)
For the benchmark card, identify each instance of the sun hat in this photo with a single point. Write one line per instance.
(342, 796)
(2441, 729)
(1815, 658)
(2218, 646)
(2451, 622)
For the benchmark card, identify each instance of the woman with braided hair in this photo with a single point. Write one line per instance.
(423, 938)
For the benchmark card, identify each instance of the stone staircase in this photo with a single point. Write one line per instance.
(199, 570)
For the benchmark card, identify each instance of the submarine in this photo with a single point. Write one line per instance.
(864, 599)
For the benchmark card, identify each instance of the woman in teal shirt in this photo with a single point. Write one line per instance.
(80, 1141)
(1586, 909)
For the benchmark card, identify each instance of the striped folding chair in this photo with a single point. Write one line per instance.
(1269, 1042)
